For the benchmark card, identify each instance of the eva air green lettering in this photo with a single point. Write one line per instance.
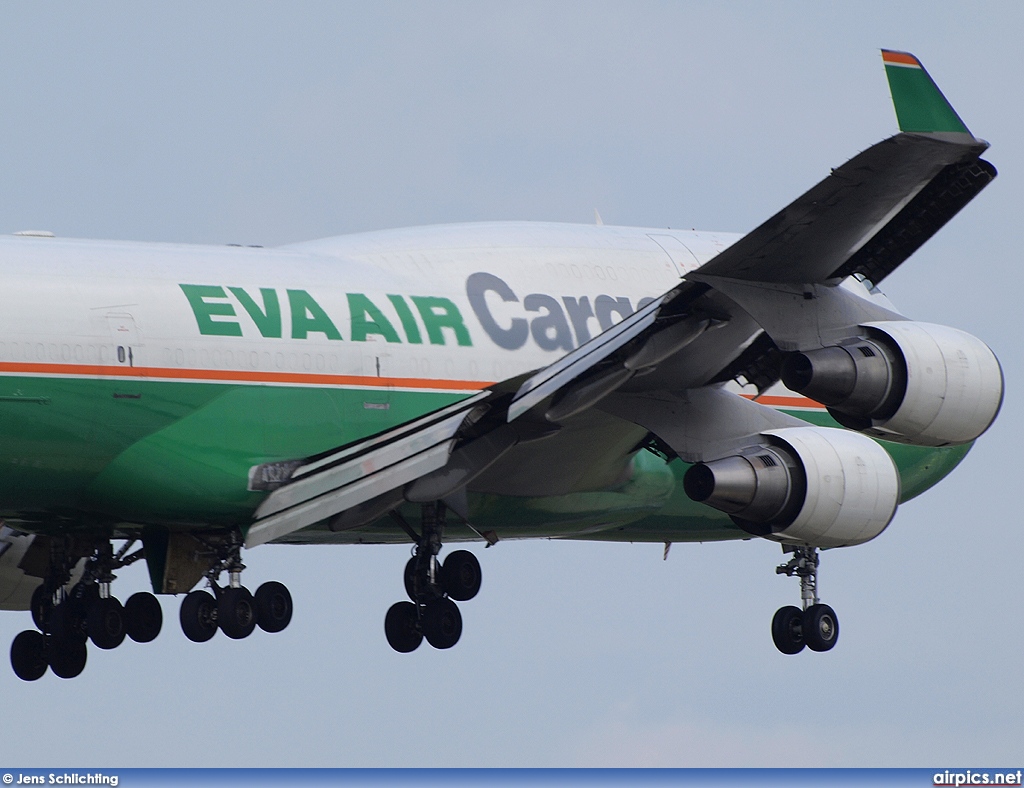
(205, 310)
(438, 314)
(308, 317)
(412, 331)
(368, 319)
(267, 319)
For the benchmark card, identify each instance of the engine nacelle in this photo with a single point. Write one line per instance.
(917, 383)
(808, 485)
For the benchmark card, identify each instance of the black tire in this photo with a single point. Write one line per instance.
(105, 623)
(69, 619)
(66, 622)
(442, 623)
(81, 597)
(273, 606)
(236, 613)
(821, 627)
(143, 617)
(198, 616)
(40, 606)
(400, 627)
(462, 576)
(28, 655)
(66, 657)
(788, 629)
(410, 578)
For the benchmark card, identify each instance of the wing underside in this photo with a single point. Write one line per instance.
(660, 372)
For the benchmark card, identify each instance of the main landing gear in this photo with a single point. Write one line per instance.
(816, 625)
(68, 618)
(232, 608)
(433, 588)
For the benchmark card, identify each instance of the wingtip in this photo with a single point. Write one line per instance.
(920, 106)
(896, 57)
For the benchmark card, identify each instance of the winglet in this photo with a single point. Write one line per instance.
(920, 105)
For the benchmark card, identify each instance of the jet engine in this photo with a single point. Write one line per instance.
(806, 485)
(917, 383)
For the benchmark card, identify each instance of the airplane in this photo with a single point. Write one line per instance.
(475, 383)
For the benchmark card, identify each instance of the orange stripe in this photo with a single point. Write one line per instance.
(302, 378)
(903, 58)
(240, 376)
(792, 401)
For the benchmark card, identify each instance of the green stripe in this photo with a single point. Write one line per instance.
(178, 454)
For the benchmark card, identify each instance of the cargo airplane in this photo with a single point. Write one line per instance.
(474, 383)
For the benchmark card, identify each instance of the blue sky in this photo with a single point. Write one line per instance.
(269, 123)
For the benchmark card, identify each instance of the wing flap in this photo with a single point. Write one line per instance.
(813, 237)
(334, 481)
(937, 203)
(352, 494)
(553, 377)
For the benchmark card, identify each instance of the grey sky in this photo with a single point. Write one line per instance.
(271, 122)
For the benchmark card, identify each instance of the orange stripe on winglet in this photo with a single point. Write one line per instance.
(901, 58)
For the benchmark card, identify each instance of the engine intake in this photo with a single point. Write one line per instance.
(908, 382)
(806, 485)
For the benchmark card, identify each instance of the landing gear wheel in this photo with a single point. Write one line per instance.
(442, 623)
(28, 655)
(461, 573)
(409, 577)
(428, 590)
(820, 627)
(105, 623)
(788, 629)
(273, 606)
(236, 613)
(66, 622)
(66, 657)
(198, 616)
(41, 605)
(400, 627)
(143, 617)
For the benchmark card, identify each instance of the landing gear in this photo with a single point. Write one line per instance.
(401, 626)
(105, 623)
(66, 656)
(442, 623)
(143, 617)
(461, 575)
(28, 655)
(68, 618)
(433, 588)
(198, 616)
(788, 629)
(815, 626)
(236, 613)
(821, 627)
(273, 606)
(233, 609)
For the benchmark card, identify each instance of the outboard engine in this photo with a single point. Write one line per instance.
(908, 382)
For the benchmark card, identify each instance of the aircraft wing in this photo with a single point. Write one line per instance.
(661, 369)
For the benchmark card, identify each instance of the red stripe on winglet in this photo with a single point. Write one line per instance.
(903, 58)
